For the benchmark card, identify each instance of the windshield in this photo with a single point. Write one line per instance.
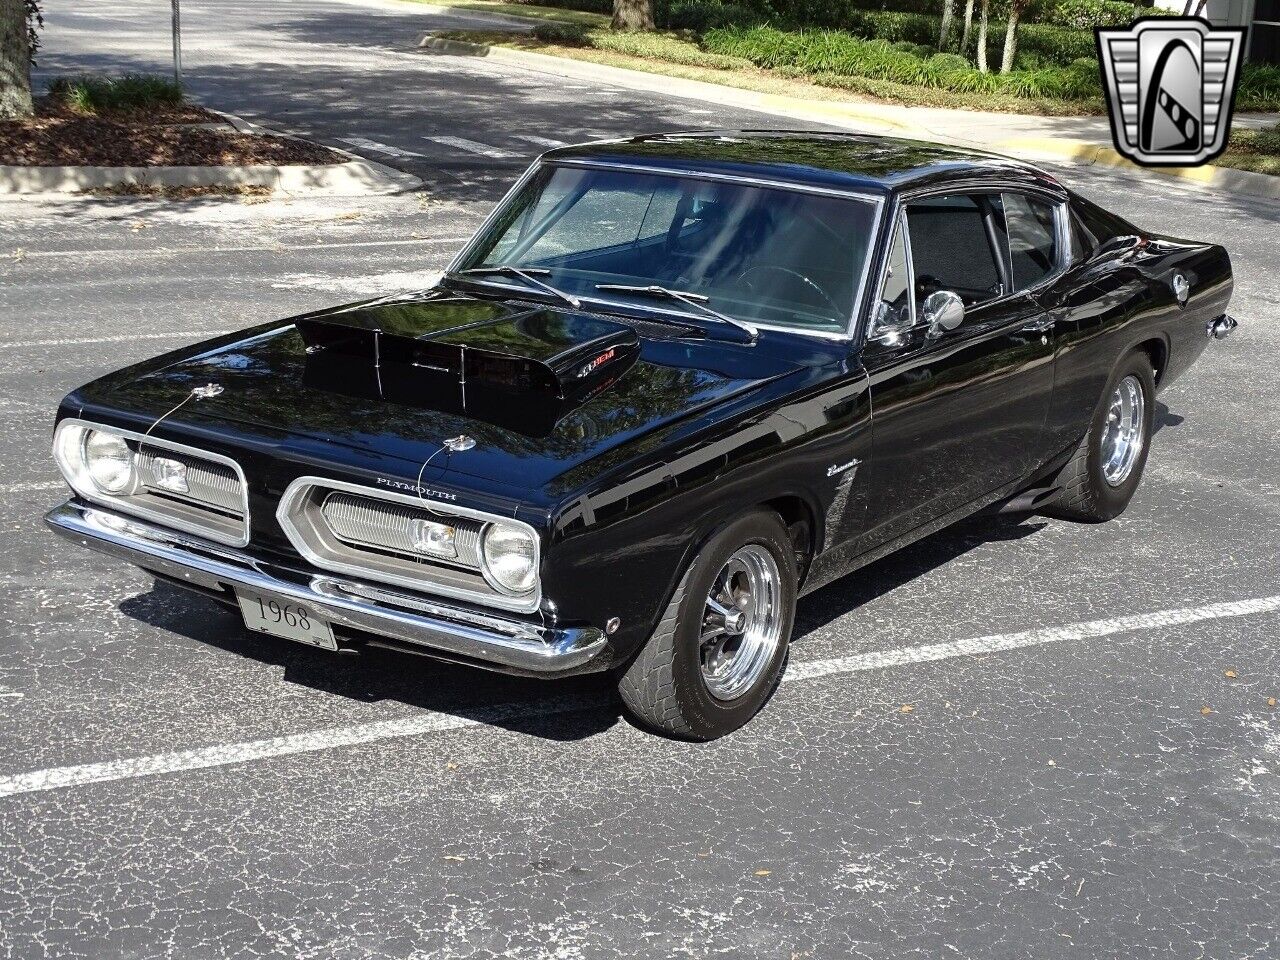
(758, 254)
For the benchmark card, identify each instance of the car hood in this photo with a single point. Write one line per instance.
(548, 389)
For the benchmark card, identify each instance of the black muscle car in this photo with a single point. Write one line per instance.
(673, 383)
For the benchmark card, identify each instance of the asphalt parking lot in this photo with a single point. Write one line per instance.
(1014, 739)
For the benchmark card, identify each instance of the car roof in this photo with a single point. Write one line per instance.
(844, 161)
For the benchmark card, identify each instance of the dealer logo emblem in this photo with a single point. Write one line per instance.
(1171, 83)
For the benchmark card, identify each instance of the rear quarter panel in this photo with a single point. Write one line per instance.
(1123, 300)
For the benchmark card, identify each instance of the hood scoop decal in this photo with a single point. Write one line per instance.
(523, 373)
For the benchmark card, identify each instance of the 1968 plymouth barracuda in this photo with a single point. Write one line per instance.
(673, 383)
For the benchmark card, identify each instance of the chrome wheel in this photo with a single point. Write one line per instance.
(1122, 434)
(741, 622)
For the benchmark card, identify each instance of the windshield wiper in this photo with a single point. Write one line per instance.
(696, 300)
(524, 273)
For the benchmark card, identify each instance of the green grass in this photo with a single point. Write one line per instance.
(131, 92)
(531, 11)
(1256, 150)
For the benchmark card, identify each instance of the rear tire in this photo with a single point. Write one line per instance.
(1104, 472)
(704, 673)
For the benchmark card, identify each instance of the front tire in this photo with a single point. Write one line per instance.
(1103, 474)
(721, 645)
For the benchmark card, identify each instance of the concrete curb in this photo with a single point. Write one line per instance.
(354, 177)
(888, 119)
(444, 45)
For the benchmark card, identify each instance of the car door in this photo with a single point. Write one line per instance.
(957, 414)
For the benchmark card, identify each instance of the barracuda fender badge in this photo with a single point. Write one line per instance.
(837, 468)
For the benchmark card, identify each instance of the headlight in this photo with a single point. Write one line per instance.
(109, 462)
(509, 557)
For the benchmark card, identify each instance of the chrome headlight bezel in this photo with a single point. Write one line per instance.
(309, 534)
(514, 532)
(69, 441)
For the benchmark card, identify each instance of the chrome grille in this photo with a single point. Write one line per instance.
(208, 484)
(363, 521)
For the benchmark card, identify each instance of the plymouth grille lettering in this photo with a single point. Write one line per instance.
(414, 488)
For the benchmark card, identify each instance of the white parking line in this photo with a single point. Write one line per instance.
(37, 781)
(472, 146)
(279, 248)
(77, 341)
(539, 141)
(377, 147)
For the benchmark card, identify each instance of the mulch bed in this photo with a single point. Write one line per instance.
(57, 136)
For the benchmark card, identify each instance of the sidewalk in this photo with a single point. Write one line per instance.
(1081, 140)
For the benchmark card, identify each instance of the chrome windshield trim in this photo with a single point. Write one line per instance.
(158, 516)
(850, 328)
(294, 493)
(751, 181)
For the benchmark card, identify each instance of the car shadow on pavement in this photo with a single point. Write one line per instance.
(567, 709)
(888, 574)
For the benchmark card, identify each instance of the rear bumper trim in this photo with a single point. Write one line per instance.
(419, 620)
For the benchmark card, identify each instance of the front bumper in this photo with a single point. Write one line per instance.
(410, 620)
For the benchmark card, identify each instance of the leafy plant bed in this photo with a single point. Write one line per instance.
(159, 136)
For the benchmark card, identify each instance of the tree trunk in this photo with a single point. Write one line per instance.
(627, 15)
(948, 17)
(982, 38)
(15, 60)
(968, 26)
(1010, 38)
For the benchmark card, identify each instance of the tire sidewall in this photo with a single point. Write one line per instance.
(1111, 501)
(708, 717)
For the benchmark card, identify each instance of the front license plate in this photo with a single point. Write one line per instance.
(293, 621)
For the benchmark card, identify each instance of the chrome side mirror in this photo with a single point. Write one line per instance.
(942, 311)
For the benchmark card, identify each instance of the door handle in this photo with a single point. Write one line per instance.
(1039, 326)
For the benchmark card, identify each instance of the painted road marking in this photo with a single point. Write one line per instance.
(539, 141)
(472, 146)
(279, 248)
(37, 781)
(377, 147)
(76, 341)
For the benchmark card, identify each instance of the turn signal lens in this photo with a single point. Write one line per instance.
(509, 554)
(109, 462)
(433, 539)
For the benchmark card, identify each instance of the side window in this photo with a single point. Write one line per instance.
(1033, 241)
(951, 247)
(893, 310)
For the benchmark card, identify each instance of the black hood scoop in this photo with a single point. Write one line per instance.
(522, 370)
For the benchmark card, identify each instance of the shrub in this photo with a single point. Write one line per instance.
(565, 34)
(1259, 87)
(133, 91)
(841, 54)
(703, 15)
(1086, 14)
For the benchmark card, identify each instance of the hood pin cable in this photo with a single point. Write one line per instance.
(454, 445)
(206, 392)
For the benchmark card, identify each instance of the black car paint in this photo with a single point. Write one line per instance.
(862, 448)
